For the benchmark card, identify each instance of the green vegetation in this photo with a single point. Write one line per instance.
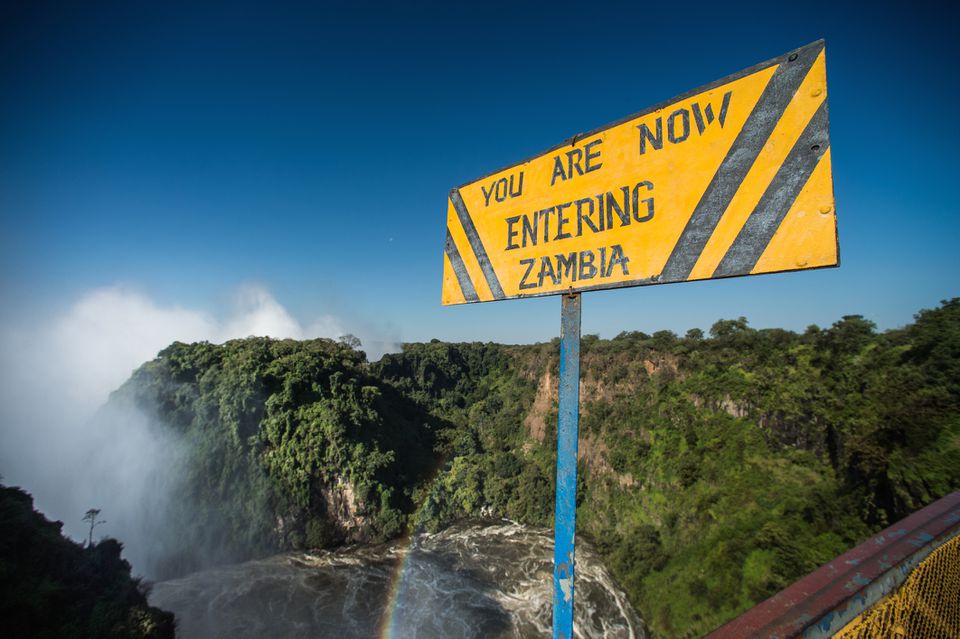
(288, 445)
(715, 469)
(51, 587)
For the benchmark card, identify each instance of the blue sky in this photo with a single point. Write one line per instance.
(183, 150)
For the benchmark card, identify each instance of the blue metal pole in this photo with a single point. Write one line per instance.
(566, 506)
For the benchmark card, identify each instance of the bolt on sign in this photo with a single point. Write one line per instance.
(733, 178)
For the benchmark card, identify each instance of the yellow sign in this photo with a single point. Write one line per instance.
(731, 179)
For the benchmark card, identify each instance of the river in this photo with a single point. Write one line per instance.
(470, 580)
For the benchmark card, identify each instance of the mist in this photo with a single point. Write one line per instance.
(62, 442)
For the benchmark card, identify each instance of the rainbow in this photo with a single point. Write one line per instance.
(387, 627)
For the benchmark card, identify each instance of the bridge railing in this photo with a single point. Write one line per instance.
(902, 582)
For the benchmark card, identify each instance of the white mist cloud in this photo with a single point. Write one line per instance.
(56, 374)
(102, 338)
(256, 312)
(93, 347)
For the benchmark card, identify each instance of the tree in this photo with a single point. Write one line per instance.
(350, 340)
(726, 328)
(91, 516)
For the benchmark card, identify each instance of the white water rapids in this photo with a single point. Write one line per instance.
(470, 580)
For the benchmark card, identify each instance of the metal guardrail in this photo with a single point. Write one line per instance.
(859, 593)
(927, 605)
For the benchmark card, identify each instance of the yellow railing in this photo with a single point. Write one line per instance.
(926, 606)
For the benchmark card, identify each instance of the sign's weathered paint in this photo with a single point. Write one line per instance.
(731, 179)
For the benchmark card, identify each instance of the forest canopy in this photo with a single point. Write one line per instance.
(715, 468)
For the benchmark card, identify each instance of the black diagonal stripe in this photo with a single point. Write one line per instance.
(733, 169)
(776, 201)
(476, 244)
(463, 278)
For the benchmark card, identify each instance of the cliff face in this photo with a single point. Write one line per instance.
(53, 587)
(345, 511)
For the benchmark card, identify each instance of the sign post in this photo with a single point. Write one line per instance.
(731, 179)
(565, 519)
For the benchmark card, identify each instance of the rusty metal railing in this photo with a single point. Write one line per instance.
(902, 582)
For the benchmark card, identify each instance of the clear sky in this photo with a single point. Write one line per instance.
(185, 150)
